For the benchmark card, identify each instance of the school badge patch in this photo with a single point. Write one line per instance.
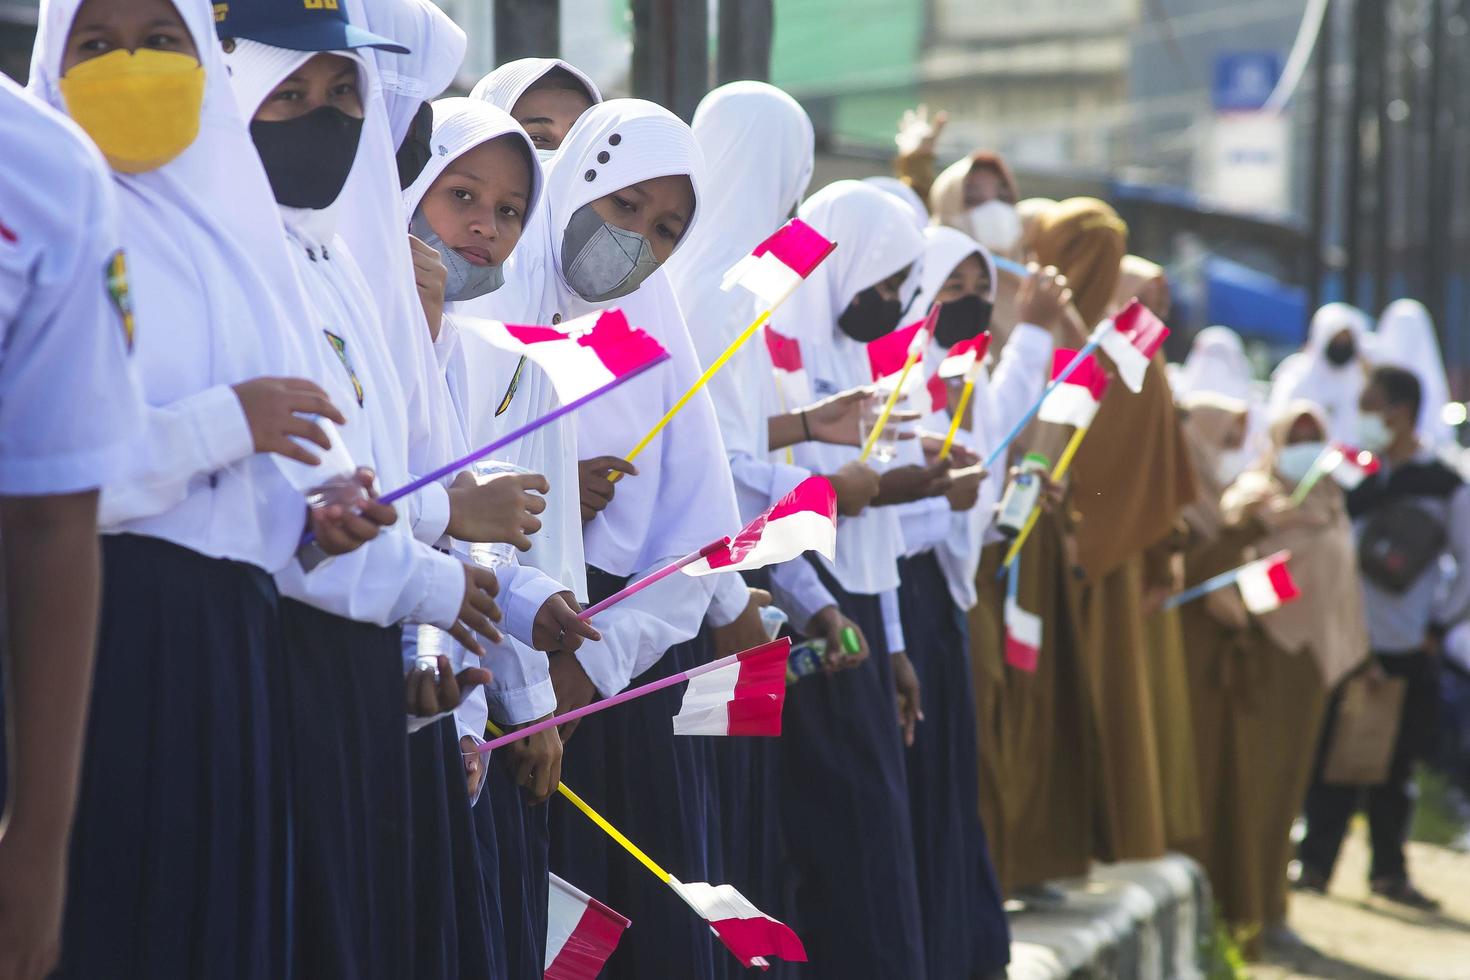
(510, 392)
(116, 275)
(340, 346)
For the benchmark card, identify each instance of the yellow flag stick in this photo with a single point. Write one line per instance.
(601, 821)
(959, 414)
(888, 408)
(1058, 471)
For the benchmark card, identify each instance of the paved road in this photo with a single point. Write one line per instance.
(1357, 937)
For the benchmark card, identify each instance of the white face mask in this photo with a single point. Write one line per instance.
(545, 155)
(1229, 466)
(996, 225)
(1374, 434)
(1295, 461)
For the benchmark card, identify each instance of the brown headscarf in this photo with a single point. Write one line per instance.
(1328, 618)
(1032, 210)
(1145, 280)
(947, 195)
(1085, 239)
(1208, 420)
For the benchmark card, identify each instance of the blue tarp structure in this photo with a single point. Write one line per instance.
(1255, 305)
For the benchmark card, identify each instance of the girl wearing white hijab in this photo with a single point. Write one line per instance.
(470, 197)
(1329, 371)
(184, 827)
(622, 192)
(966, 932)
(307, 107)
(1405, 338)
(544, 95)
(845, 786)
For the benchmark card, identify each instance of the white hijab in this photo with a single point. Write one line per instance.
(1405, 339)
(436, 47)
(876, 237)
(752, 195)
(905, 193)
(1216, 363)
(1309, 376)
(203, 239)
(505, 85)
(682, 498)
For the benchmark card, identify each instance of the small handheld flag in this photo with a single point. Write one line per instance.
(1349, 467)
(748, 709)
(888, 355)
(1023, 629)
(1135, 338)
(778, 265)
(772, 271)
(579, 356)
(792, 384)
(581, 932)
(1077, 392)
(1265, 584)
(803, 520)
(914, 344)
(963, 357)
(740, 698)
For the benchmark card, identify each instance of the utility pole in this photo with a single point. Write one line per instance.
(671, 53)
(1383, 257)
(527, 29)
(1322, 97)
(744, 39)
(1352, 203)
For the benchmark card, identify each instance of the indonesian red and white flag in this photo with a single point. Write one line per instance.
(938, 394)
(803, 520)
(1023, 629)
(1135, 338)
(1074, 402)
(889, 353)
(744, 929)
(792, 383)
(581, 933)
(779, 264)
(1348, 466)
(1267, 584)
(743, 698)
(964, 356)
(581, 355)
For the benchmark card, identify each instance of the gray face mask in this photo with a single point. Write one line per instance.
(466, 280)
(603, 262)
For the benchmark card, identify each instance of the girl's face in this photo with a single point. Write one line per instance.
(477, 206)
(659, 209)
(547, 114)
(101, 26)
(324, 80)
(984, 184)
(969, 278)
(1305, 429)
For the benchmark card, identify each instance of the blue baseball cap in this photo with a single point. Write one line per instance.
(300, 25)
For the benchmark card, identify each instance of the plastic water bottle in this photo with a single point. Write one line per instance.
(1022, 495)
(806, 658)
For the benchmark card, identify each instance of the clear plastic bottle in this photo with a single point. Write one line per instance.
(1022, 495)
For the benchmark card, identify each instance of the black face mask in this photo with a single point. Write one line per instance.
(308, 158)
(1340, 352)
(870, 316)
(962, 319)
(414, 154)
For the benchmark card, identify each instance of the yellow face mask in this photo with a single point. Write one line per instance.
(141, 108)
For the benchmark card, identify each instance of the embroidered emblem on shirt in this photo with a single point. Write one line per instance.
(340, 346)
(116, 275)
(823, 387)
(510, 392)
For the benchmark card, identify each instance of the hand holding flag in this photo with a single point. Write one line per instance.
(964, 359)
(1265, 584)
(913, 339)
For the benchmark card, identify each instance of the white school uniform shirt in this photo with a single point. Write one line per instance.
(521, 690)
(683, 498)
(64, 307)
(208, 273)
(1004, 389)
(255, 69)
(750, 195)
(875, 238)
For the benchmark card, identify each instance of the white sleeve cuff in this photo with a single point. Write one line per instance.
(522, 594)
(428, 511)
(443, 593)
(223, 429)
(892, 622)
(729, 601)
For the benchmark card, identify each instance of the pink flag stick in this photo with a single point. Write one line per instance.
(653, 577)
(629, 695)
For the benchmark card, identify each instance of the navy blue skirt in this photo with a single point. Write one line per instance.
(516, 872)
(451, 917)
(179, 853)
(658, 789)
(846, 814)
(965, 928)
(349, 784)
